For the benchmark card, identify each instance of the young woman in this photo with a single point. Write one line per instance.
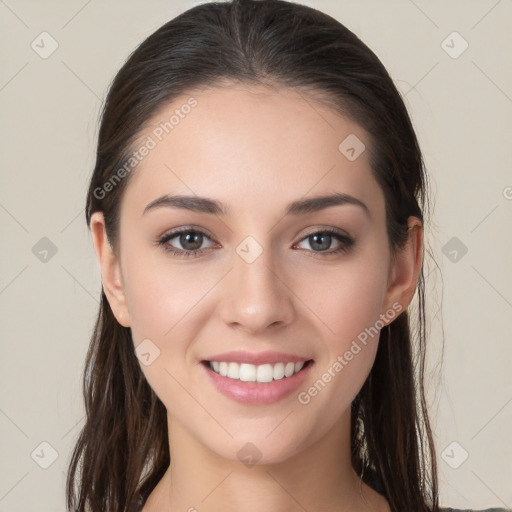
(257, 208)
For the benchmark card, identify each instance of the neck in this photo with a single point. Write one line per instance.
(317, 477)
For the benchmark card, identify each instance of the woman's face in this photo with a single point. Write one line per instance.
(261, 282)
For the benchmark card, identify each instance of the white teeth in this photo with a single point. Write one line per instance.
(264, 373)
(252, 373)
(247, 372)
(223, 369)
(289, 369)
(233, 371)
(278, 371)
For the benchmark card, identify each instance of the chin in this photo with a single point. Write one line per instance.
(259, 449)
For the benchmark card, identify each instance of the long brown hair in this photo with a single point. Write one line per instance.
(122, 450)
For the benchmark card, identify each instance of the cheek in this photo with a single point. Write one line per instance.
(169, 306)
(349, 304)
(159, 297)
(163, 304)
(348, 299)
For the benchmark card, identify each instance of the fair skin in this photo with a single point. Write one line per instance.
(256, 150)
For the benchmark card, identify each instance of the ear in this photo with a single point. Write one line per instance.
(110, 270)
(405, 267)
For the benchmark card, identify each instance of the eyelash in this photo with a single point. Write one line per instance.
(345, 241)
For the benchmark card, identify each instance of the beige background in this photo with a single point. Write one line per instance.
(461, 109)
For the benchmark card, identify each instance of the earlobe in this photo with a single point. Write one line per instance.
(111, 276)
(406, 267)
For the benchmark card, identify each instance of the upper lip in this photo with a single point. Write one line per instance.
(270, 357)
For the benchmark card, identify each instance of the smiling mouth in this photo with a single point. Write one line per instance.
(263, 373)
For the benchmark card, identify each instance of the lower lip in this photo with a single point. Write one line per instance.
(256, 392)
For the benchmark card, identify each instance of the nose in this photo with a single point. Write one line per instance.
(257, 295)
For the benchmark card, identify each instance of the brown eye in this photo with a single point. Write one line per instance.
(188, 241)
(191, 240)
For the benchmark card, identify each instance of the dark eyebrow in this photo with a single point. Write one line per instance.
(194, 203)
(300, 207)
(315, 204)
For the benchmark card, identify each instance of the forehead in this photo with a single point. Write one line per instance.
(251, 145)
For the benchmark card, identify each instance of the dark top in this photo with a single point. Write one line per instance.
(141, 500)
(471, 510)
